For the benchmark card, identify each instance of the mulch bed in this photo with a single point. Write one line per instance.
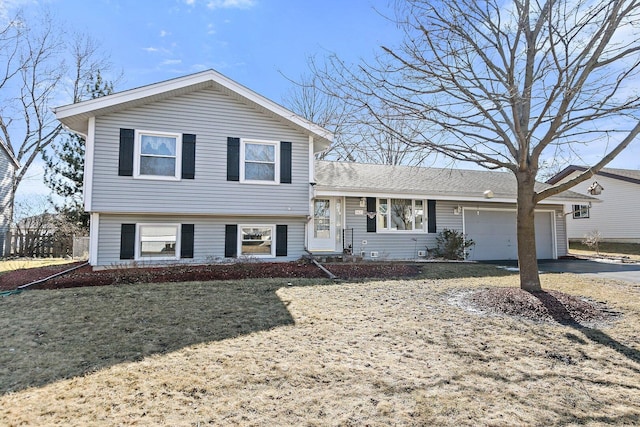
(86, 276)
(546, 306)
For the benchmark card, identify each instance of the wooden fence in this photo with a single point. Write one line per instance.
(34, 245)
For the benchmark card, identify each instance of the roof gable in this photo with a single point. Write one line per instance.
(453, 184)
(627, 175)
(76, 116)
(9, 154)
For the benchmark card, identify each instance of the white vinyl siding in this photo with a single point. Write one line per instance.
(7, 171)
(208, 238)
(616, 217)
(213, 117)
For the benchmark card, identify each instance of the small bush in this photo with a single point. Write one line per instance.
(592, 240)
(452, 244)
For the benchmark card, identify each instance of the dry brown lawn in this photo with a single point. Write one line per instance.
(313, 353)
(21, 263)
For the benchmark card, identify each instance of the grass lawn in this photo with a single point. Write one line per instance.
(630, 250)
(313, 352)
(21, 263)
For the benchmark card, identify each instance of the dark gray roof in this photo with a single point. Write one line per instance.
(628, 175)
(432, 182)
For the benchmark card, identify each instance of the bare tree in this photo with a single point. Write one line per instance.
(507, 85)
(41, 63)
(358, 136)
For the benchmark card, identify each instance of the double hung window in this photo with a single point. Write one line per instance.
(259, 161)
(158, 155)
(401, 215)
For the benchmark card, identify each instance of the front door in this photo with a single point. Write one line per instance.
(323, 228)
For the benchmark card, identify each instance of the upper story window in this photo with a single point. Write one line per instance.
(158, 155)
(259, 161)
(580, 211)
(401, 215)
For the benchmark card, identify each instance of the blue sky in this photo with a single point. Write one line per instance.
(255, 42)
(251, 41)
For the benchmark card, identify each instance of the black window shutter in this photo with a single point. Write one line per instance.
(125, 161)
(371, 208)
(186, 241)
(231, 241)
(188, 156)
(127, 241)
(285, 162)
(281, 240)
(431, 216)
(233, 159)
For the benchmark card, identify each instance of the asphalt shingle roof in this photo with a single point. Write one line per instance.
(372, 178)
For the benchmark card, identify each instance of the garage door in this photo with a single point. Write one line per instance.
(495, 234)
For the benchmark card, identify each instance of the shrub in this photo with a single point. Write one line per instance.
(452, 244)
(592, 240)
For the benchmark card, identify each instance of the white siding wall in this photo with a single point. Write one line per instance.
(209, 235)
(617, 217)
(213, 117)
(7, 170)
(403, 246)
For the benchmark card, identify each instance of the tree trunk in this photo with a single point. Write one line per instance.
(527, 258)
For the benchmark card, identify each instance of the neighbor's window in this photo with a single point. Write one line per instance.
(257, 240)
(158, 241)
(259, 161)
(158, 155)
(580, 211)
(401, 215)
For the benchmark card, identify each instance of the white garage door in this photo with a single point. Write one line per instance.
(494, 233)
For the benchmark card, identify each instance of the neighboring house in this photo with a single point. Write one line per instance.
(617, 218)
(8, 166)
(201, 169)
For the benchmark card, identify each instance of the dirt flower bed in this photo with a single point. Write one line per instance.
(87, 276)
(545, 306)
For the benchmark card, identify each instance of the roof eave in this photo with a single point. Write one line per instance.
(76, 116)
(6, 149)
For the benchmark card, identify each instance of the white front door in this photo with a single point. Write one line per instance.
(325, 228)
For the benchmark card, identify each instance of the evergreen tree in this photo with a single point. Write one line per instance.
(64, 172)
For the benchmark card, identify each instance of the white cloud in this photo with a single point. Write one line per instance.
(151, 49)
(172, 62)
(7, 7)
(210, 29)
(231, 4)
(190, 2)
(164, 33)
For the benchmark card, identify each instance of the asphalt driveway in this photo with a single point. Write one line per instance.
(607, 270)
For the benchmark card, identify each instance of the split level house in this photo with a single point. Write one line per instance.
(202, 169)
(8, 167)
(617, 217)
